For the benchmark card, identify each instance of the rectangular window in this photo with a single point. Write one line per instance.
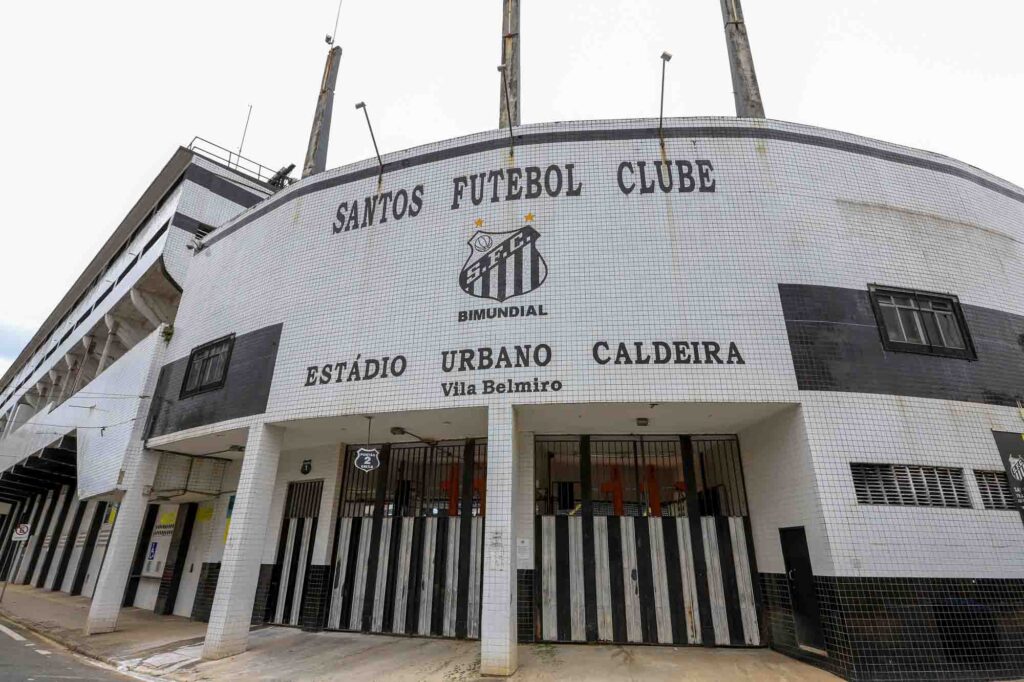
(994, 489)
(208, 366)
(921, 322)
(910, 485)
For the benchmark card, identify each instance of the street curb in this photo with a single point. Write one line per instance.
(57, 639)
(75, 647)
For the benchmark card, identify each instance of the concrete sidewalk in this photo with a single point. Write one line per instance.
(169, 647)
(287, 654)
(62, 618)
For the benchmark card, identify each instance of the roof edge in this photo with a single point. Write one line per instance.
(157, 190)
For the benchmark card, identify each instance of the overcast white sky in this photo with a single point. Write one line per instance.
(97, 95)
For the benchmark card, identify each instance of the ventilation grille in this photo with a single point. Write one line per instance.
(994, 489)
(202, 230)
(303, 500)
(909, 485)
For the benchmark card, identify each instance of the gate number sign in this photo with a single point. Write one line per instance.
(21, 532)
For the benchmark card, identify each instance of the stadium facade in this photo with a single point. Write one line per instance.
(730, 382)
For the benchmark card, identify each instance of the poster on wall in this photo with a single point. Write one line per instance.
(227, 524)
(160, 543)
(1011, 449)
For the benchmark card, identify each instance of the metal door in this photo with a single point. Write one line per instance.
(623, 552)
(294, 552)
(802, 593)
(408, 548)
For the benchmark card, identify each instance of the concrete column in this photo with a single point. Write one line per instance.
(22, 413)
(109, 591)
(88, 346)
(71, 362)
(228, 631)
(498, 648)
(105, 354)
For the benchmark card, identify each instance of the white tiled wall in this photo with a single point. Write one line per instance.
(644, 267)
(639, 268)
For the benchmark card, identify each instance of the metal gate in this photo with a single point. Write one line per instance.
(625, 553)
(408, 554)
(294, 552)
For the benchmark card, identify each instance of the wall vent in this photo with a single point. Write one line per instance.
(994, 489)
(910, 485)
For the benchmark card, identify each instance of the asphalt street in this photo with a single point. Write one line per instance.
(24, 657)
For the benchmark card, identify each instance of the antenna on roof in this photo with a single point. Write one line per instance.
(329, 38)
(244, 131)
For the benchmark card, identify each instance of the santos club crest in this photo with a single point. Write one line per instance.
(502, 265)
(1017, 467)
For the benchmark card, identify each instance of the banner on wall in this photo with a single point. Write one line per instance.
(1011, 449)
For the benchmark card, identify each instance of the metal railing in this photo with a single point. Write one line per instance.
(233, 160)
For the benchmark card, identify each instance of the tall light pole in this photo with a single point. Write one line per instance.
(320, 133)
(502, 69)
(665, 59)
(508, 107)
(373, 138)
(741, 62)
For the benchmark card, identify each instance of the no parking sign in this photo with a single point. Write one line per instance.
(21, 532)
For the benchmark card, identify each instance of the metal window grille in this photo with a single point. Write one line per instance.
(910, 485)
(303, 499)
(995, 489)
(639, 476)
(558, 476)
(720, 476)
(208, 366)
(423, 479)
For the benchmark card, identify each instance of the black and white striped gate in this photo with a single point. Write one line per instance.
(294, 552)
(408, 551)
(624, 552)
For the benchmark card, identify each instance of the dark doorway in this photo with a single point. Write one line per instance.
(804, 598)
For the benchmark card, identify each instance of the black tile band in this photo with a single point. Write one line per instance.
(222, 187)
(908, 628)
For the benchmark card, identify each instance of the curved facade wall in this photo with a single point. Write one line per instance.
(727, 270)
(760, 207)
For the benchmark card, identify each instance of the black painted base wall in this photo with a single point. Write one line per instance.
(908, 628)
(525, 605)
(259, 607)
(207, 588)
(315, 598)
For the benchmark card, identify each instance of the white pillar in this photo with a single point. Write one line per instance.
(228, 630)
(498, 648)
(109, 591)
